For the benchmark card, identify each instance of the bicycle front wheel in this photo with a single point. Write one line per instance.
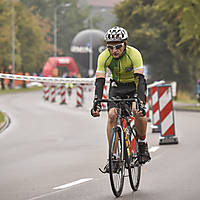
(134, 167)
(116, 161)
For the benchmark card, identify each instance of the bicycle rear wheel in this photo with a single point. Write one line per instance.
(116, 162)
(134, 167)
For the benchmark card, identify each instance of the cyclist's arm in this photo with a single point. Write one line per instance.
(100, 77)
(139, 76)
(99, 85)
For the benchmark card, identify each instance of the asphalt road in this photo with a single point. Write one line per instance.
(53, 151)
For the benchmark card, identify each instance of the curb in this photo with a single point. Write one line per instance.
(6, 123)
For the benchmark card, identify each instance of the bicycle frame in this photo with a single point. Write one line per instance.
(120, 143)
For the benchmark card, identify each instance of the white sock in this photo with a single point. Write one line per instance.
(145, 141)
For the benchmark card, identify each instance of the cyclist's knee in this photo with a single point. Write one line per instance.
(141, 126)
(112, 115)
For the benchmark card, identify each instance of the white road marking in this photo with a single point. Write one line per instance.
(62, 187)
(72, 184)
(153, 149)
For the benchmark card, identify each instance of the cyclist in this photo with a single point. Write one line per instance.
(127, 78)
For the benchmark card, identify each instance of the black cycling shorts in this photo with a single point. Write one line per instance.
(121, 90)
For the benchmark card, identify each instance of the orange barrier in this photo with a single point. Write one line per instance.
(17, 82)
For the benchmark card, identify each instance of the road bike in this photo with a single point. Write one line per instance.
(123, 146)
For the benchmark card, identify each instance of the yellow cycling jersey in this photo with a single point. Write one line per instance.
(122, 69)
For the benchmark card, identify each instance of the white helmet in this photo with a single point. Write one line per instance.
(116, 34)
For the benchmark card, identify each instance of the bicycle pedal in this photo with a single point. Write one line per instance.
(103, 171)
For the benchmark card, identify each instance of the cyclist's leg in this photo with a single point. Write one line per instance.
(111, 113)
(111, 121)
(110, 124)
(141, 126)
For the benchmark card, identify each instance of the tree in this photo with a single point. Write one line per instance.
(5, 36)
(31, 47)
(70, 20)
(146, 33)
(31, 33)
(167, 32)
(181, 20)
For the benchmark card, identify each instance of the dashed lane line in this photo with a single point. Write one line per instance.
(80, 181)
(61, 188)
(72, 184)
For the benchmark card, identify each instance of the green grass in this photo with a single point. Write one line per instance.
(188, 99)
(189, 108)
(2, 118)
(185, 97)
(7, 91)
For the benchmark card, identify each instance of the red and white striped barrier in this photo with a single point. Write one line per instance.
(155, 110)
(58, 89)
(63, 94)
(53, 93)
(79, 96)
(166, 113)
(46, 91)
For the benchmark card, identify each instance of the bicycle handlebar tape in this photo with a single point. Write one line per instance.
(79, 96)
(166, 112)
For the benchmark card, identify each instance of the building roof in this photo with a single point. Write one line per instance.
(103, 3)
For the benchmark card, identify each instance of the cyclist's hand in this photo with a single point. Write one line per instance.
(138, 113)
(135, 112)
(143, 108)
(95, 111)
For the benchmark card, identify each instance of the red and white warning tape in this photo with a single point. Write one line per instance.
(47, 79)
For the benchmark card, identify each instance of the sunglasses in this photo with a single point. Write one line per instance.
(118, 46)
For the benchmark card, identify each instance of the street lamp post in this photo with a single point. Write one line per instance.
(13, 36)
(90, 71)
(55, 27)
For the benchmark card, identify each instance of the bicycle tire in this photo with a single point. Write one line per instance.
(134, 168)
(116, 168)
